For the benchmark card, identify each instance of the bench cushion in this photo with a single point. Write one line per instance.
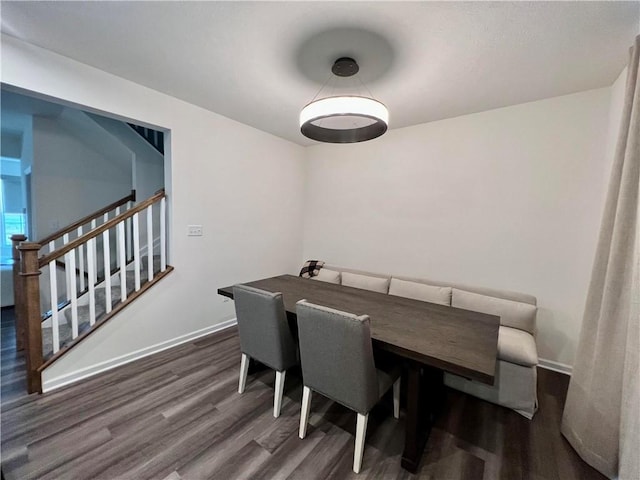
(420, 291)
(517, 346)
(512, 314)
(326, 275)
(375, 284)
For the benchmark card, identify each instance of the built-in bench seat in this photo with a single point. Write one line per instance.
(515, 386)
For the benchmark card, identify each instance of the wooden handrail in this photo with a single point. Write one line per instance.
(69, 228)
(44, 260)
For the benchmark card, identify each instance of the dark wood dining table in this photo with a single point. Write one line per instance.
(430, 339)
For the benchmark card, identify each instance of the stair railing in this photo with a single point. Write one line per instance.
(77, 229)
(28, 267)
(62, 237)
(114, 209)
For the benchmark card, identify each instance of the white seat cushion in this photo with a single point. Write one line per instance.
(420, 291)
(326, 275)
(517, 346)
(512, 314)
(375, 284)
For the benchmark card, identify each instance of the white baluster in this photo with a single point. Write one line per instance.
(136, 250)
(150, 243)
(54, 274)
(91, 263)
(74, 295)
(95, 258)
(129, 231)
(122, 262)
(107, 270)
(81, 261)
(163, 234)
(105, 219)
(53, 281)
(118, 256)
(67, 272)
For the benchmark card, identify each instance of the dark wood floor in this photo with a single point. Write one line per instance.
(12, 365)
(177, 414)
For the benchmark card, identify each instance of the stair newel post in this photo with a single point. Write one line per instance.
(17, 290)
(29, 274)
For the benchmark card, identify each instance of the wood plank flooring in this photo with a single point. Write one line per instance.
(177, 415)
(12, 363)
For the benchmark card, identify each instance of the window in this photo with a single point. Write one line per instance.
(13, 219)
(14, 223)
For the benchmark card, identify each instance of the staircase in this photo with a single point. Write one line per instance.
(153, 137)
(112, 240)
(84, 314)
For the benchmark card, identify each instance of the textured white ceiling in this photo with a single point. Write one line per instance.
(260, 62)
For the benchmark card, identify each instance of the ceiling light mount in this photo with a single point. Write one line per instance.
(344, 119)
(345, 67)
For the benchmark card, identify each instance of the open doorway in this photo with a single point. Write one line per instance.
(59, 165)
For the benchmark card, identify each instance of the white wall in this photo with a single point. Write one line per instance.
(148, 170)
(149, 175)
(148, 162)
(69, 179)
(243, 185)
(509, 198)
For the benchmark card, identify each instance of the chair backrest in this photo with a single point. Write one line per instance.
(263, 328)
(337, 355)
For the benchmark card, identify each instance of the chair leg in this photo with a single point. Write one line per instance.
(304, 411)
(244, 368)
(361, 433)
(396, 398)
(277, 396)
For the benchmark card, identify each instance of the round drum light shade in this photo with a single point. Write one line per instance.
(344, 119)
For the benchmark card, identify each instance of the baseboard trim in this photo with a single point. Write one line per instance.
(555, 366)
(72, 377)
(101, 367)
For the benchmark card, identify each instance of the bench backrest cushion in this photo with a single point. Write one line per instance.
(512, 314)
(327, 275)
(420, 291)
(366, 282)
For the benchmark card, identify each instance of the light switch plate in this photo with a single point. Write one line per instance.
(194, 230)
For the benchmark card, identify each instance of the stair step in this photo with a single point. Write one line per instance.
(100, 294)
(64, 336)
(156, 262)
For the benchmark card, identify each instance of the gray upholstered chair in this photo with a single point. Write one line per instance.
(264, 336)
(337, 361)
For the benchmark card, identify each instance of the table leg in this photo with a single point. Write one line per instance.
(421, 411)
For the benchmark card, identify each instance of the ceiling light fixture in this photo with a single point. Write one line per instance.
(347, 118)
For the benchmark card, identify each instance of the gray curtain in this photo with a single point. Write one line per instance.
(601, 413)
